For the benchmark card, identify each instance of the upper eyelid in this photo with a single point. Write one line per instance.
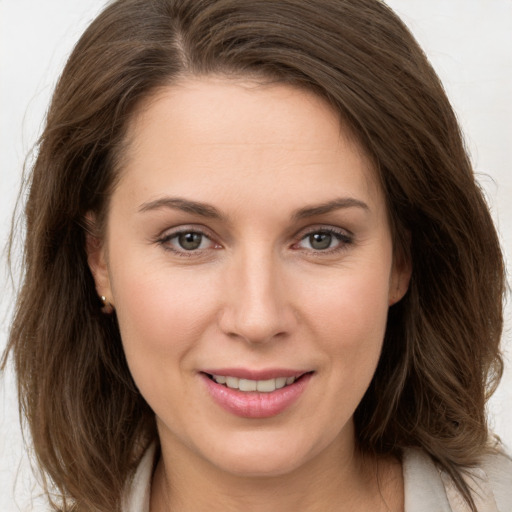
(186, 228)
(323, 228)
(199, 228)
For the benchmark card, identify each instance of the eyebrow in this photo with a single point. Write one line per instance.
(329, 206)
(209, 211)
(176, 203)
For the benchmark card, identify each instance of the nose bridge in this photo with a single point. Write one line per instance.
(258, 307)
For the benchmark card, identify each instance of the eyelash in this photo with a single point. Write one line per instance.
(164, 240)
(342, 237)
(344, 240)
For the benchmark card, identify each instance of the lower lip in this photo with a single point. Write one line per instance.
(254, 404)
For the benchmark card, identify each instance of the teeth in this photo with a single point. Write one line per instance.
(266, 386)
(247, 385)
(281, 382)
(263, 386)
(231, 382)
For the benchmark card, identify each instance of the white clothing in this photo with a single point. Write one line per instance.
(425, 488)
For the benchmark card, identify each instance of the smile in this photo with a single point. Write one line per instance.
(263, 386)
(263, 397)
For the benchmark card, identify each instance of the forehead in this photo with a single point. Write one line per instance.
(232, 129)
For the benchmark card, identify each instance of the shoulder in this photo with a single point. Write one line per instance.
(427, 488)
(496, 471)
(423, 487)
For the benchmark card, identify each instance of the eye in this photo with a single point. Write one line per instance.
(326, 240)
(187, 241)
(320, 241)
(190, 241)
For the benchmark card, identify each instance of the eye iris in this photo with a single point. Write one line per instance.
(190, 241)
(320, 241)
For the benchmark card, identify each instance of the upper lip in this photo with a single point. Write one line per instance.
(251, 374)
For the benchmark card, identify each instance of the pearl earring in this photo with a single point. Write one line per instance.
(107, 307)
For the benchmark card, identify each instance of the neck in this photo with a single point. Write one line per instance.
(337, 479)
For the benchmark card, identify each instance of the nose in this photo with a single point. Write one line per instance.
(257, 306)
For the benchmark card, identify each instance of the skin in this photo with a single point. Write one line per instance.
(257, 293)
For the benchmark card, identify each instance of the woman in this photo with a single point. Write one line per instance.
(258, 271)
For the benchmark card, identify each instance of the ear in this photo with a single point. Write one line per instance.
(400, 278)
(97, 261)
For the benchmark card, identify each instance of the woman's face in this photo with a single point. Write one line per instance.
(249, 258)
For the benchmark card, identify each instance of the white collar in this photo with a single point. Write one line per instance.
(423, 487)
(137, 497)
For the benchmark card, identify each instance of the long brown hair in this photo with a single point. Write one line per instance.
(440, 360)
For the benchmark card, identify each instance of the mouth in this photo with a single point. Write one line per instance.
(250, 385)
(269, 395)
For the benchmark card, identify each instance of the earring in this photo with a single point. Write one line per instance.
(107, 307)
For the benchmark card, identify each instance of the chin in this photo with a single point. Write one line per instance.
(263, 456)
(261, 466)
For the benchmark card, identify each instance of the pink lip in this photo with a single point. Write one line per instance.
(244, 373)
(255, 404)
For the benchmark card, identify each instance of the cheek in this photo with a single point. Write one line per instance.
(348, 318)
(352, 307)
(163, 316)
(161, 313)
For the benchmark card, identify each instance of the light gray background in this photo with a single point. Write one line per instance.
(468, 41)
